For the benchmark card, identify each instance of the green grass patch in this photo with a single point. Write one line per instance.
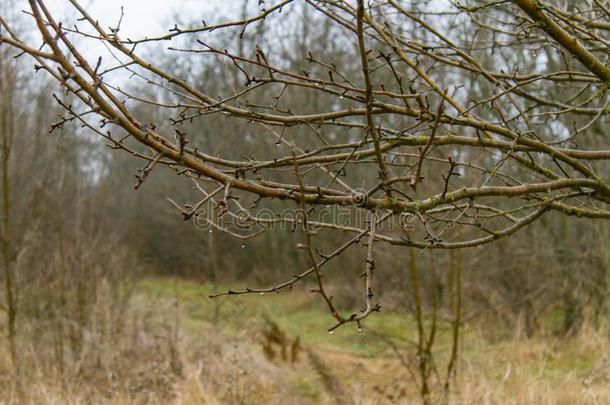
(297, 313)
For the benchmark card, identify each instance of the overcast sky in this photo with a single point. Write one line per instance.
(144, 17)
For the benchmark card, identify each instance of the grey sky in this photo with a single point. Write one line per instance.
(144, 17)
(141, 18)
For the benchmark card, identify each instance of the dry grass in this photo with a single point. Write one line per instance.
(173, 349)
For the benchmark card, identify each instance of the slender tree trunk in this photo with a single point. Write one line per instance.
(422, 352)
(6, 120)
